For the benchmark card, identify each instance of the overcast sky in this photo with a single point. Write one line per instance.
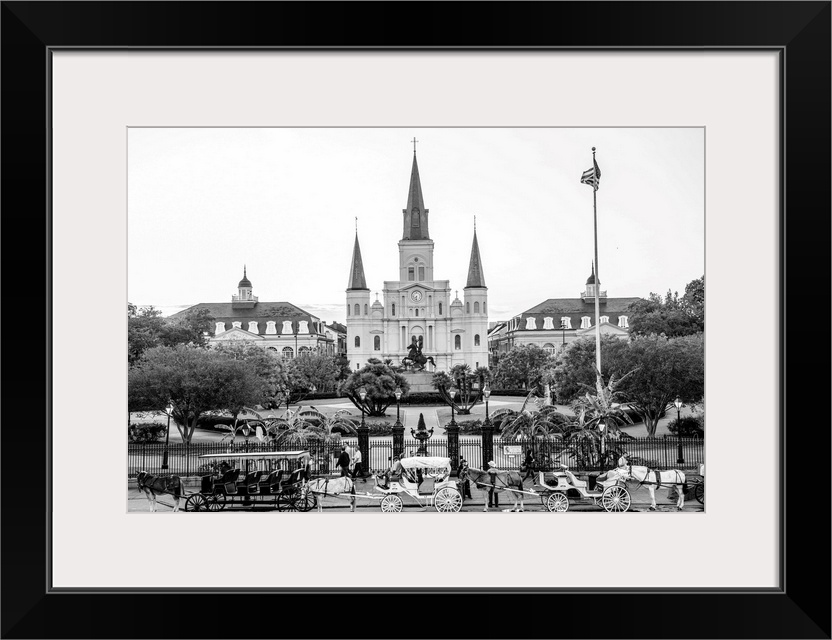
(204, 202)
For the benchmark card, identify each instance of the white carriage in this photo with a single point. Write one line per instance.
(435, 474)
(611, 494)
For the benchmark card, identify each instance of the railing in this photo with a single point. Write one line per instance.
(659, 453)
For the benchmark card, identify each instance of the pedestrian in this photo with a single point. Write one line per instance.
(344, 461)
(357, 467)
(493, 494)
(528, 464)
(463, 478)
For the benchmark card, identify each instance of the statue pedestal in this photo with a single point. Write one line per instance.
(420, 381)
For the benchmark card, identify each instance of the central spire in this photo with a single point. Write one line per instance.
(476, 278)
(415, 215)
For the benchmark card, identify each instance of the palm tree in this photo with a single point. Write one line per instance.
(591, 411)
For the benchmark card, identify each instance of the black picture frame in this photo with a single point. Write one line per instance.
(799, 31)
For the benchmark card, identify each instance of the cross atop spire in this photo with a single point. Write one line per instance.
(414, 141)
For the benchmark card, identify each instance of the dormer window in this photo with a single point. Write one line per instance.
(565, 322)
(304, 326)
(219, 328)
(236, 325)
(252, 327)
(547, 323)
(531, 323)
(287, 327)
(622, 322)
(585, 324)
(272, 329)
(604, 319)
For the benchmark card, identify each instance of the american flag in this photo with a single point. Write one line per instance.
(592, 176)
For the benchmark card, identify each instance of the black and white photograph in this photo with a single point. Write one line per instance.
(424, 320)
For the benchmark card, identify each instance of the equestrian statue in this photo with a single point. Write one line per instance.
(415, 360)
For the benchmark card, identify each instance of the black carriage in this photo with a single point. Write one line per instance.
(250, 481)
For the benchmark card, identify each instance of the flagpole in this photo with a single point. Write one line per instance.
(597, 276)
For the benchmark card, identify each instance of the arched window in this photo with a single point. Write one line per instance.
(467, 307)
(348, 310)
(484, 307)
(357, 342)
(288, 353)
(457, 342)
(421, 273)
(477, 340)
(440, 308)
(393, 310)
(417, 313)
(272, 351)
(304, 351)
(377, 343)
(476, 307)
(549, 348)
(357, 310)
(410, 274)
(365, 309)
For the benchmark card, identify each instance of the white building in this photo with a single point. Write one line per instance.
(416, 305)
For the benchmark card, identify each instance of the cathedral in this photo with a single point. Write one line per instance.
(417, 308)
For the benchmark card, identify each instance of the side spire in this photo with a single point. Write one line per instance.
(476, 278)
(415, 215)
(357, 279)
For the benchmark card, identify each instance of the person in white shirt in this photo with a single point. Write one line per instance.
(357, 468)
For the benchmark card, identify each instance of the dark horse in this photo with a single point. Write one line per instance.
(501, 481)
(152, 485)
(415, 358)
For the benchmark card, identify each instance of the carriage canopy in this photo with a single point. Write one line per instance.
(260, 455)
(427, 462)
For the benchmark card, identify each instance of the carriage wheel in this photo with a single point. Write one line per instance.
(391, 503)
(286, 502)
(196, 502)
(447, 500)
(699, 492)
(615, 499)
(305, 501)
(558, 502)
(215, 502)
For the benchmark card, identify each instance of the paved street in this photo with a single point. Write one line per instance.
(640, 502)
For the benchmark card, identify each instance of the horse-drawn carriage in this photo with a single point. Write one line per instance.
(611, 494)
(276, 481)
(433, 471)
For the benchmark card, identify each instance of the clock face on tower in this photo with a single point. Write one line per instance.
(416, 296)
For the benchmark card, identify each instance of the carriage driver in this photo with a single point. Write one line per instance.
(393, 473)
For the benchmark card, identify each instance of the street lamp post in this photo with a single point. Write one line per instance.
(246, 432)
(452, 393)
(168, 410)
(680, 455)
(563, 333)
(487, 393)
(398, 394)
(602, 426)
(362, 393)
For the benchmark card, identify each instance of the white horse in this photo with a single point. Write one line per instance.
(332, 486)
(653, 479)
(165, 485)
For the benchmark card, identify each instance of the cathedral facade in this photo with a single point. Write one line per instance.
(417, 308)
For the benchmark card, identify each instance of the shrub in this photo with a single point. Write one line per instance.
(470, 427)
(688, 427)
(381, 428)
(422, 398)
(146, 433)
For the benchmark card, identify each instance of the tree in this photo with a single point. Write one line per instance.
(194, 380)
(266, 366)
(574, 366)
(522, 367)
(307, 370)
(146, 328)
(665, 368)
(672, 316)
(469, 384)
(526, 424)
(380, 381)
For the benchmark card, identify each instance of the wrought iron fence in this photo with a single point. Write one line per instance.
(660, 453)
